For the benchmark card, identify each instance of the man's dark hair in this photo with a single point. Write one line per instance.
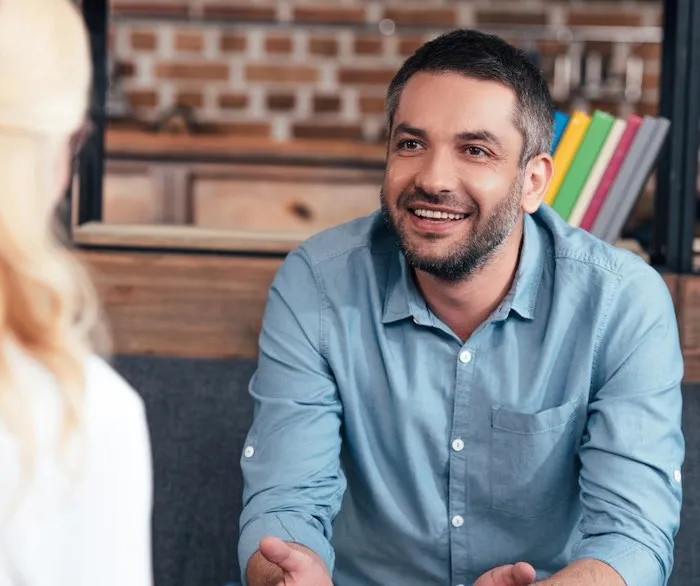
(486, 57)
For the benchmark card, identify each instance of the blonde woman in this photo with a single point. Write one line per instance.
(75, 468)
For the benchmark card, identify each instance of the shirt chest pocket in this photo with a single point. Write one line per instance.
(534, 459)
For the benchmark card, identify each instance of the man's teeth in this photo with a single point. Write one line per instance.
(438, 215)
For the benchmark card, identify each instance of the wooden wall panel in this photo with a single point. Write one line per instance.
(203, 306)
(183, 305)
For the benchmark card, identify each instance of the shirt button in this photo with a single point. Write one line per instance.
(465, 356)
(677, 476)
(457, 521)
(458, 445)
(249, 451)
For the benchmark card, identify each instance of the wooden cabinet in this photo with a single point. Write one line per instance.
(264, 201)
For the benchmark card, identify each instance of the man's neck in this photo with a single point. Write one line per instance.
(466, 304)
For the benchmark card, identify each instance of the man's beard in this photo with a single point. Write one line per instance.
(468, 257)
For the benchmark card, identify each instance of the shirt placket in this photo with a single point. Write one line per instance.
(458, 519)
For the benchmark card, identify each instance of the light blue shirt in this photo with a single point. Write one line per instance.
(402, 455)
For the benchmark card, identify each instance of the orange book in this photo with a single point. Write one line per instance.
(566, 151)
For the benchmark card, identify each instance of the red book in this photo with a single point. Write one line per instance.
(601, 192)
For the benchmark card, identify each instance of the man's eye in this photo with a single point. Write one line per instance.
(409, 145)
(475, 151)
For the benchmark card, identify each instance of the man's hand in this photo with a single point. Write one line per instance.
(520, 574)
(279, 563)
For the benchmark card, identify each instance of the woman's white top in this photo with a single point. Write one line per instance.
(91, 529)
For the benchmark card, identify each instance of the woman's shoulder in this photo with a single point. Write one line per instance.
(107, 394)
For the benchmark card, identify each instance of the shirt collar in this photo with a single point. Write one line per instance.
(404, 300)
(523, 294)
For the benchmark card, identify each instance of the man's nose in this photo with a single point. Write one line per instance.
(438, 172)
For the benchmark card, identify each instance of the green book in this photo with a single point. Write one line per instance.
(585, 158)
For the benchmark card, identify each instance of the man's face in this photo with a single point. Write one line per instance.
(453, 186)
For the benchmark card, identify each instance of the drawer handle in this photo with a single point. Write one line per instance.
(301, 210)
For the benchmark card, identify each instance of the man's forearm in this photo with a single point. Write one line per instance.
(585, 573)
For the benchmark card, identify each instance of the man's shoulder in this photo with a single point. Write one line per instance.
(577, 249)
(368, 234)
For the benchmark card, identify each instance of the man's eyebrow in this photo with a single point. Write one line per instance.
(480, 135)
(404, 128)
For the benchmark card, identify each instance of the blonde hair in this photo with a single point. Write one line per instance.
(47, 304)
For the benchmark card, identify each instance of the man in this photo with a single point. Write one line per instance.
(493, 397)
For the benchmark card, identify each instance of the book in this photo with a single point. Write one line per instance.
(568, 145)
(637, 179)
(594, 177)
(610, 174)
(561, 119)
(629, 167)
(586, 155)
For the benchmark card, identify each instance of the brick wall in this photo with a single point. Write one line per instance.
(319, 68)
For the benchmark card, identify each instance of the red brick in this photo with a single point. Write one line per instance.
(174, 8)
(507, 17)
(189, 42)
(368, 46)
(190, 99)
(278, 44)
(357, 76)
(651, 80)
(648, 51)
(422, 16)
(280, 74)
(326, 46)
(239, 12)
(410, 45)
(144, 41)
(617, 17)
(142, 99)
(192, 71)
(309, 130)
(232, 43)
(550, 48)
(326, 104)
(124, 69)
(233, 101)
(281, 102)
(647, 109)
(323, 13)
(371, 105)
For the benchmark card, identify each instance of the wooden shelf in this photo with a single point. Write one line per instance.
(120, 143)
(185, 238)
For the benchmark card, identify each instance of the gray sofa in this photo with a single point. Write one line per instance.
(199, 412)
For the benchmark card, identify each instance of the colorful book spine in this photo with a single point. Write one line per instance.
(595, 176)
(561, 119)
(618, 190)
(601, 193)
(566, 150)
(586, 155)
(638, 178)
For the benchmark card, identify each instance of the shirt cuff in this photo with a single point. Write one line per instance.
(293, 527)
(636, 563)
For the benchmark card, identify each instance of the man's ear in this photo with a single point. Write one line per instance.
(537, 175)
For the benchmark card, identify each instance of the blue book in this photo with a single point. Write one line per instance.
(560, 122)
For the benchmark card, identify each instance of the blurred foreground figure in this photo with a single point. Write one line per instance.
(75, 467)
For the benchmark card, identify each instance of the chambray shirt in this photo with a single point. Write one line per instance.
(401, 454)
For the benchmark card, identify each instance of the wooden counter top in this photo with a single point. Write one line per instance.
(126, 143)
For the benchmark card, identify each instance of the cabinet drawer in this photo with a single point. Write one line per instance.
(295, 201)
(131, 196)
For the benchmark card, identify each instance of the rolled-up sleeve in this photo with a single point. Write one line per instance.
(293, 482)
(633, 447)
